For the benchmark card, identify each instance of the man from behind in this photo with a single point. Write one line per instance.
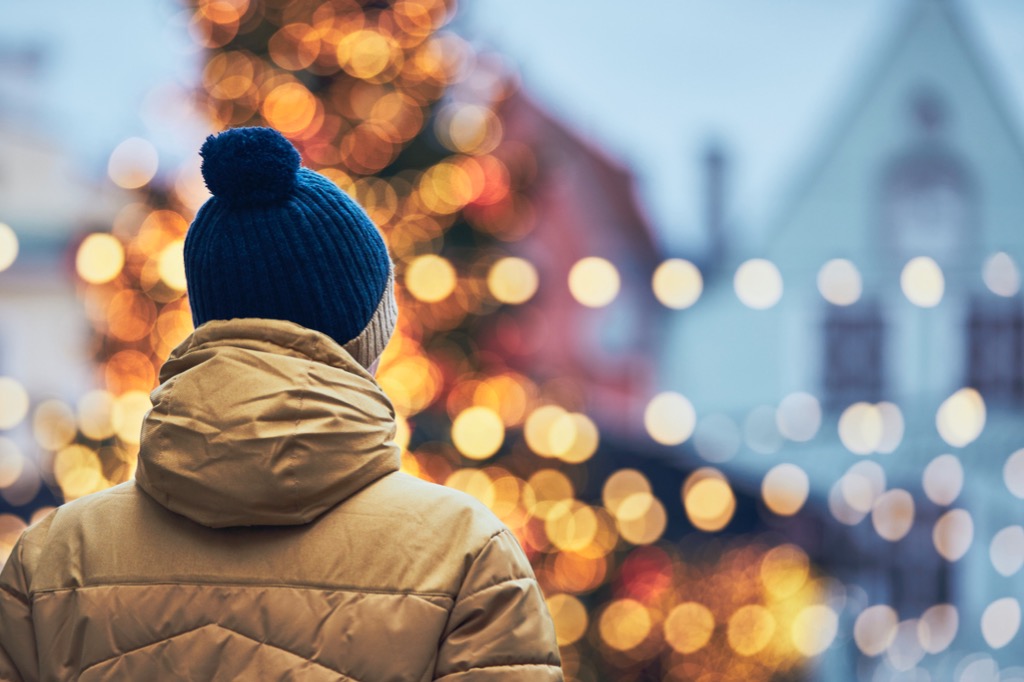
(268, 534)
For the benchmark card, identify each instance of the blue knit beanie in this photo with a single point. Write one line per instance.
(282, 242)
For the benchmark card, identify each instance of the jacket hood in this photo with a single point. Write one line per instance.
(263, 422)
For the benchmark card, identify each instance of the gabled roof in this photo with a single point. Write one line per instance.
(914, 18)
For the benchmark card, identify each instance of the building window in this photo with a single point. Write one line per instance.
(854, 354)
(995, 347)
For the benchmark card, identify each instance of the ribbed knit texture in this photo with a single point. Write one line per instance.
(314, 258)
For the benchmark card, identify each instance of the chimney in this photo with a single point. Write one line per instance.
(714, 203)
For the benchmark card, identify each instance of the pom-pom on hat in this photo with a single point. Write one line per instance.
(282, 242)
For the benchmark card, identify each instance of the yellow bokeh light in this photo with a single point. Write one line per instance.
(839, 282)
(129, 411)
(641, 519)
(814, 629)
(893, 514)
(922, 282)
(290, 107)
(8, 246)
(512, 280)
(12, 463)
(100, 258)
(961, 417)
(133, 163)
(78, 471)
(785, 489)
(571, 525)
(171, 265)
(594, 282)
(53, 425)
(750, 629)
(875, 629)
(953, 534)
(96, 415)
(670, 418)
(688, 627)
(569, 616)
(758, 284)
(621, 486)
(474, 482)
(573, 438)
(14, 403)
(366, 53)
(708, 500)
(624, 624)
(430, 278)
(677, 283)
(478, 432)
(539, 427)
(548, 487)
(784, 570)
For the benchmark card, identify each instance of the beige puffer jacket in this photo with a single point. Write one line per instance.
(269, 535)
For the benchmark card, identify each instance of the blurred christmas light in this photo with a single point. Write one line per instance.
(961, 417)
(839, 282)
(922, 282)
(670, 418)
(133, 163)
(8, 246)
(758, 284)
(1001, 275)
(677, 283)
(14, 403)
(100, 258)
(594, 282)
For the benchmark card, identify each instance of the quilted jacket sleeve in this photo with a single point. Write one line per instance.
(18, 660)
(499, 628)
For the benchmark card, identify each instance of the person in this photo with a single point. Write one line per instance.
(268, 533)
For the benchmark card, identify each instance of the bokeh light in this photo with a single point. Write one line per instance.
(670, 418)
(430, 278)
(478, 432)
(953, 534)
(689, 627)
(875, 629)
(708, 499)
(594, 282)
(100, 258)
(677, 283)
(943, 479)
(1001, 275)
(14, 403)
(1006, 550)
(798, 417)
(785, 489)
(133, 163)
(8, 246)
(839, 282)
(512, 280)
(758, 284)
(1000, 622)
(922, 282)
(961, 417)
(892, 515)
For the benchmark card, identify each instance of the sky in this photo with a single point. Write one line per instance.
(652, 83)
